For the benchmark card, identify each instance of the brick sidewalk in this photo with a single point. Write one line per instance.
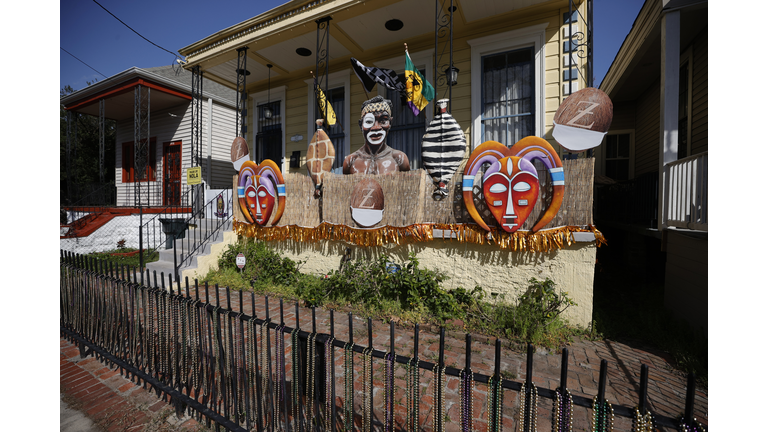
(111, 401)
(101, 390)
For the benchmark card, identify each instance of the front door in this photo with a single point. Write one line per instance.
(172, 173)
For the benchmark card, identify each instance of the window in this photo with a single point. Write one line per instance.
(617, 150)
(128, 167)
(336, 133)
(508, 89)
(269, 134)
(338, 95)
(508, 104)
(269, 143)
(407, 130)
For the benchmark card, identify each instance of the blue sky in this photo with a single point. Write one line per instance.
(108, 47)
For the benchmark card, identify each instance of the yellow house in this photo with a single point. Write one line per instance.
(656, 152)
(515, 62)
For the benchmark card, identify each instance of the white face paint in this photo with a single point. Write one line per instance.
(378, 135)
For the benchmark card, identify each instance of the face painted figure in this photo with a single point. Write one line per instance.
(376, 157)
(511, 188)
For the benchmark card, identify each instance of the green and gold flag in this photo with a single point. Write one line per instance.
(419, 92)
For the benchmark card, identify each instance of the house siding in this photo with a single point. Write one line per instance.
(647, 130)
(222, 134)
(699, 104)
(296, 103)
(164, 128)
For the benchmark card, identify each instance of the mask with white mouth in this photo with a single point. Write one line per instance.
(375, 127)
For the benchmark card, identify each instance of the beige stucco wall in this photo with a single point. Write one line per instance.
(497, 271)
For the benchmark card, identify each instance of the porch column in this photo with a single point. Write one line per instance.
(670, 77)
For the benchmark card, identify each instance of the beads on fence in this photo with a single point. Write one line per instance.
(642, 422)
(562, 411)
(602, 416)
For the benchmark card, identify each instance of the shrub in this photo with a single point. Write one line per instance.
(262, 265)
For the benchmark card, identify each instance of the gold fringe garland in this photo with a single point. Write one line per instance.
(541, 241)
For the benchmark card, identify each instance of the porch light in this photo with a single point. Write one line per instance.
(452, 75)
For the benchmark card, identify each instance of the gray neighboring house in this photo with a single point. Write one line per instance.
(170, 130)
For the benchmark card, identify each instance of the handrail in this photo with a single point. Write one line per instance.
(212, 225)
(150, 230)
(686, 192)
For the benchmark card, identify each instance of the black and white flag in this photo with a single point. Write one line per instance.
(369, 76)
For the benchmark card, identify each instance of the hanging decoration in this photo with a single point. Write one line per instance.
(467, 394)
(602, 416)
(529, 399)
(438, 387)
(349, 390)
(320, 157)
(443, 147)
(543, 241)
(495, 398)
(367, 203)
(258, 186)
(412, 398)
(562, 411)
(583, 119)
(642, 422)
(511, 184)
(239, 152)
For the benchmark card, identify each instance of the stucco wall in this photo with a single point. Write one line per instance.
(504, 272)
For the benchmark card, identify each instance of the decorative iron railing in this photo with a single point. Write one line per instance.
(230, 367)
(206, 223)
(685, 194)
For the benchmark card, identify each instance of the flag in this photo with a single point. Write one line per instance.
(326, 110)
(369, 76)
(419, 92)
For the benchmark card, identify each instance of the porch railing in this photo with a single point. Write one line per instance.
(231, 367)
(685, 194)
(207, 222)
(151, 231)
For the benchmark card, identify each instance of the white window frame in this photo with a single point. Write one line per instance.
(336, 79)
(600, 152)
(262, 97)
(533, 36)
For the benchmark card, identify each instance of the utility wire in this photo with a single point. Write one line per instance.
(83, 62)
(121, 21)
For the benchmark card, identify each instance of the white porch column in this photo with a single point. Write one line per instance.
(209, 141)
(670, 77)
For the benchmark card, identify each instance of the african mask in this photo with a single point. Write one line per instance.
(259, 186)
(511, 186)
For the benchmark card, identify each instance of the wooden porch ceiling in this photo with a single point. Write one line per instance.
(357, 29)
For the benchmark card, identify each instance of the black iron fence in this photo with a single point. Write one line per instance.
(230, 367)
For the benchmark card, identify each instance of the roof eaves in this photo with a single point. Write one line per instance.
(643, 24)
(277, 19)
(129, 74)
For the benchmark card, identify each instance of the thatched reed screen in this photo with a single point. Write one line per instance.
(408, 203)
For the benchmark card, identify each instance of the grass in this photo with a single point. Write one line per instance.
(630, 310)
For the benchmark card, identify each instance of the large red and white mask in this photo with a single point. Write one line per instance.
(511, 188)
(260, 197)
(511, 184)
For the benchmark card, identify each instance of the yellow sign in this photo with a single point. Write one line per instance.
(194, 175)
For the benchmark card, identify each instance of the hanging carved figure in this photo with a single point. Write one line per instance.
(258, 187)
(442, 149)
(320, 157)
(511, 184)
(376, 157)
